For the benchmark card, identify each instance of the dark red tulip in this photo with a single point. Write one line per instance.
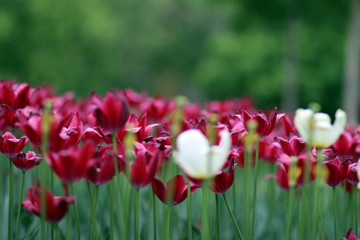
(346, 147)
(297, 172)
(139, 127)
(56, 206)
(223, 180)
(32, 127)
(265, 125)
(143, 168)
(295, 146)
(16, 96)
(350, 235)
(174, 192)
(71, 164)
(101, 169)
(337, 171)
(351, 175)
(111, 112)
(26, 161)
(11, 146)
(158, 108)
(133, 98)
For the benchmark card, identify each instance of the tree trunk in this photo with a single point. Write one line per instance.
(352, 64)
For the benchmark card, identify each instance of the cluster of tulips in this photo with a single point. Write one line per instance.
(171, 148)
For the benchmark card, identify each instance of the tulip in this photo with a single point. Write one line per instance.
(175, 191)
(143, 168)
(350, 235)
(265, 125)
(337, 171)
(11, 146)
(101, 169)
(223, 180)
(295, 146)
(56, 206)
(70, 165)
(111, 112)
(197, 158)
(316, 128)
(26, 161)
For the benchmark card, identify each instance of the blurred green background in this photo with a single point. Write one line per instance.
(280, 52)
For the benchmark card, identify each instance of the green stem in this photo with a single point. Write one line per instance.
(154, 215)
(11, 193)
(168, 222)
(92, 210)
(334, 206)
(136, 214)
(233, 218)
(356, 211)
(289, 216)
(19, 207)
(112, 209)
(316, 193)
(255, 187)
(189, 211)
(69, 227)
(51, 190)
(71, 190)
(122, 228)
(217, 217)
(204, 223)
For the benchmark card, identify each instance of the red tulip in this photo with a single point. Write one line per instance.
(138, 127)
(101, 169)
(350, 235)
(26, 161)
(346, 147)
(295, 146)
(297, 172)
(352, 173)
(265, 125)
(158, 108)
(111, 112)
(11, 146)
(223, 180)
(174, 192)
(16, 96)
(56, 206)
(71, 164)
(143, 168)
(336, 171)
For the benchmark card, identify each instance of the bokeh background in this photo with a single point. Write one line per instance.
(284, 53)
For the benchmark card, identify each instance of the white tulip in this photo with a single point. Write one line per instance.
(197, 158)
(316, 128)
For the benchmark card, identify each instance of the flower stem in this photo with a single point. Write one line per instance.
(11, 193)
(117, 186)
(189, 211)
(136, 214)
(356, 211)
(334, 206)
(316, 193)
(94, 210)
(204, 223)
(112, 209)
(169, 215)
(154, 215)
(71, 190)
(255, 187)
(19, 207)
(289, 216)
(233, 218)
(217, 217)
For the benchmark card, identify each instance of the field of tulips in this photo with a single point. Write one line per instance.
(130, 166)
